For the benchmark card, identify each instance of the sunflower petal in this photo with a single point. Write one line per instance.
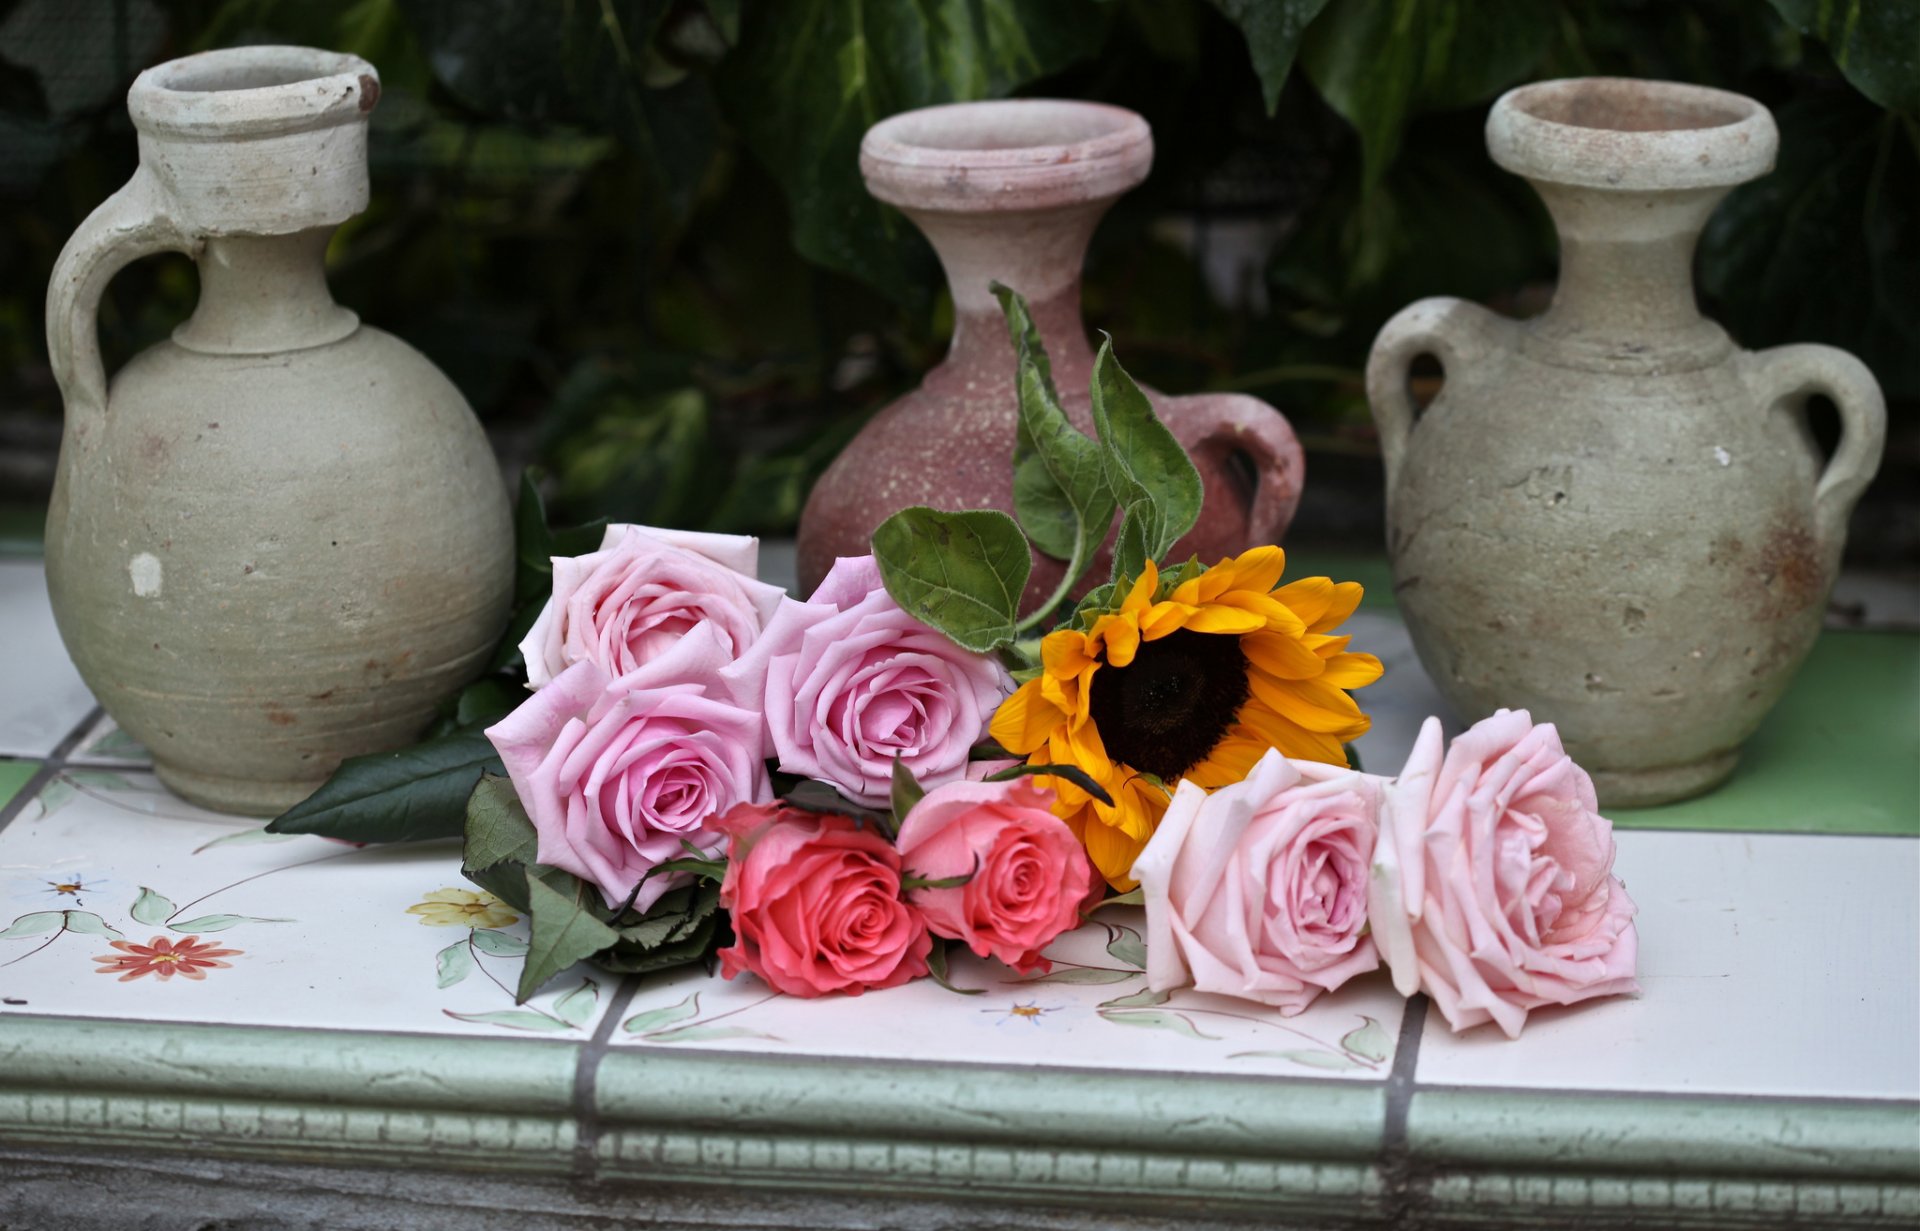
(1273, 613)
(1120, 634)
(1282, 656)
(1292, 739)
(1216, 618)
(1346, 597)
(1310, 703)
(1352, 670)
(1025, 719)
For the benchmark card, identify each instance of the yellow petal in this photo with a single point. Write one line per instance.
(1120, 634)
(1230, 761)
(1273, 613)
(1290, 738)
(1346, 597)
(1066, 653)
(1309, 597)
(1352, 670)
(1024, 720)
(1216, 618)
(1310, 704)
(1282, 656)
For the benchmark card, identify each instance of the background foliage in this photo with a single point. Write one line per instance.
(634, 231)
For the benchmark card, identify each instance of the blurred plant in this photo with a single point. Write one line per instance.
(634, 231)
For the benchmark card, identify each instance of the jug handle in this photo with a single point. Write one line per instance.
(132, 223)
(1457, 333)
(1791, 374)
(1230, 423)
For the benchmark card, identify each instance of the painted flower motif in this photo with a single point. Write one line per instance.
(189, 957)
(60, 886)
(462, 908)
(1197, 684)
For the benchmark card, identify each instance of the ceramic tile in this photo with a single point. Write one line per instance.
(44, 698)
(107, 745)
(321, 933)
(1092, 1010)
(1401, 699)
(1770, 965)
(13, 776)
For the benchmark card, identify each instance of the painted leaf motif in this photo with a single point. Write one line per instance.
(1318, 1058)
(1076, 974)
(219, 923)
(516, 1019)
(1126, 946)
(452, 964)
(87, 923)
(150, 907)
(99, 779)
(1139, 1000)
(707, 1034)
(1368, 1041)
(244, 837)
(655, 1019)
(499, 944)
(1157, 1019)
(38, 923)
(576, 1007)
(57, 795)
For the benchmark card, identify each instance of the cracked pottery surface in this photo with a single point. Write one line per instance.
(1611, 515)
(281, 537)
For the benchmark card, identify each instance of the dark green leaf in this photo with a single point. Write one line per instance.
(1072, 773)
(937, 968)
(497, 827)
(485, 702)
(1876, 43)
(565, 930)
(812, 795)
(406, 796)
(1272, 29)
(1143, 460)
(906, 792)
(1132, 547)
(961, 573)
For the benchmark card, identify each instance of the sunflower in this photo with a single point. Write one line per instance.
(1197, 683)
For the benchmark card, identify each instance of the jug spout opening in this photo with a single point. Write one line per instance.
(1616, 133)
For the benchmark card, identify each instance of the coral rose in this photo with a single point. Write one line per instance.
(1259, 890)
(614, 775)
(851, 682)
(627, 603)
(1030, 875)
(815, 904)
(1492, 885)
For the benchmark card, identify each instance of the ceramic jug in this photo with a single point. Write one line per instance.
(280, 538)
(1611, 515)
(1011, 191)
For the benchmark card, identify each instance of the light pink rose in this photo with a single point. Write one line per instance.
(627, 603)
(1259, 889)
(815, 904)
(1492, 886)
(1030, 874)
(615, 774)
(850, 682)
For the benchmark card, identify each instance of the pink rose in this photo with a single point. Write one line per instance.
(815, 904)
(1030, 874)
(851, 682)
(1492, 882)
(643, 590)
(614, 775)
(1259, 890)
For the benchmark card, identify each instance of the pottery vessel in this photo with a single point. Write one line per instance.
(1611, 515)
(1011, 191)
(280, 538)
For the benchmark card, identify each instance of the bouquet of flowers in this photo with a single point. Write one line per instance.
(826, 794)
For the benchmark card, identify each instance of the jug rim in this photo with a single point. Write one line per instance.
(253, 91)
(1631, 135)
(1006, 154)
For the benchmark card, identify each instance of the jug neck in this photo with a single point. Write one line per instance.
(1036, 252)
(265, 295)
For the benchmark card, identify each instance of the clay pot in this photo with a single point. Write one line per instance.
(1611, 515)
(1011, 191)
(281, 538)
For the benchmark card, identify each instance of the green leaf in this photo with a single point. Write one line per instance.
(960, 573)
(576, 1007)
(485, 702)
(497, 827)
(37, 923)
(1143, 460)
(564, 930)
(1156, 1019)
(655, 1019)
(673, 918)
(937, 969)
(1317, 1058)
(1132, 897)
(1132, 547)
(906, 792)
(406, 796)
(518, 1019)
(809, 77)
(498, 944)
(86, 923)
(1369, 1041)
(1059, 483)
(1139, 1000)
(150, 907)
(1072, 773)
(452, 964)
(1353, 756)
(1272, 29)
(1876, 43)
(220, 923)
(812, 795)
(1379, 62)
(1126, 946)
(1092, 976)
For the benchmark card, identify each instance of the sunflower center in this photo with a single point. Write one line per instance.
(1163, 712)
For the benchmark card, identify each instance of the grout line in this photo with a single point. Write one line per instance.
(1406, 1193)
(586, 1074)
(55, 762)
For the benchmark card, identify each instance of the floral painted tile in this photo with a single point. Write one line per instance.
(1092, 1010)
(119, 900)
(107, 745)
(1770, 965)
(44, 698)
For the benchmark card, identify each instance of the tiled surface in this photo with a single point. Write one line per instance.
(42, 696)
(1092, 1010)
(1772, 964)
(105, 744)
(13, 776)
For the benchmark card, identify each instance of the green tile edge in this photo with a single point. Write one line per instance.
(1528, 1157)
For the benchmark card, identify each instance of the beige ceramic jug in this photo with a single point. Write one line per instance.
(280, 538)
(1611, 515)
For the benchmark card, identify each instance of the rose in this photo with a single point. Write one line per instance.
(815, 903)
(1030, 875)
(851, 682)
(628, 602)
(616, 775)
(1492, 880)
(1259, 890)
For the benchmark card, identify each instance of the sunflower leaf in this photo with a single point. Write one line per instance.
(1133, 547)
(1143, 460)
(962, 573)
(1072, 773)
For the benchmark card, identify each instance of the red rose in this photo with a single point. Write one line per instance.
(816, 906)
